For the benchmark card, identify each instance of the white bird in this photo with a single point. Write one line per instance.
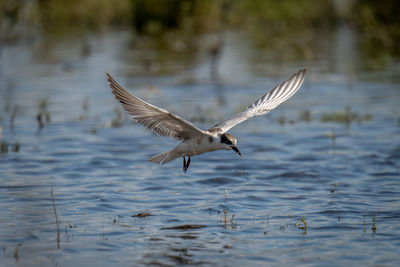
(195, 141)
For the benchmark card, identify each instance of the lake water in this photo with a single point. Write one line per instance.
(318, 183)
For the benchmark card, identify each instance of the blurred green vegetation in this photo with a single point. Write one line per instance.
(147, 16)
(297, 23)
(63, 16)
(378, 23)
(346, 116)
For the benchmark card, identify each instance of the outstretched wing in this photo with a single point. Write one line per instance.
(264, 104)
(154, 118)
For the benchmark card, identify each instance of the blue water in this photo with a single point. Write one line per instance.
(343, 179)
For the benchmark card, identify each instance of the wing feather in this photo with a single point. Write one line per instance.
(153, 118)
(264, 104)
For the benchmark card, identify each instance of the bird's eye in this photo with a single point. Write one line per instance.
(225, 140)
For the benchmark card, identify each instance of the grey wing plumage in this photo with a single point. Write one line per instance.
(154, 118)
(264, 104)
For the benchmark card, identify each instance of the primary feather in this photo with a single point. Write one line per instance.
(264, 104)
(154, 118)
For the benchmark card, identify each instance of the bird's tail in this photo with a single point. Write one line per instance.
(163, 158)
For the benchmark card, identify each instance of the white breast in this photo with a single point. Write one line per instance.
(197, 146)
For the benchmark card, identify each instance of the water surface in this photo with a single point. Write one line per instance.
(339, 177)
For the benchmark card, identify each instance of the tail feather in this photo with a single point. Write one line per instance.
(163, 158)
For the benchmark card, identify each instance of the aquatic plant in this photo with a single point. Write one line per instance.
(117, 121)
(374, 227)
(93, 130)
(379, 28)
(3, 147)
(332, 190)
(305, 116)
(346, 116)
(55, 214)
(16, 252)
(332, 136)
(304, 227)
(228, 224)
(43, 115)
(16, 147)
(13, 115)
(143, 214)
(184, 227)
(85, 109)
(365, 224)
(376, 22)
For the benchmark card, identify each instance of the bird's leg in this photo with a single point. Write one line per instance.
(184, 165)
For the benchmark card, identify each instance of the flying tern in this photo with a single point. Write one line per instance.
(195, 141)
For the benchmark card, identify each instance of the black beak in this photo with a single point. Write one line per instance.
(236, 150)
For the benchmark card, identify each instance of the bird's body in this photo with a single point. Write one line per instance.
(191, 147)
(195, 141)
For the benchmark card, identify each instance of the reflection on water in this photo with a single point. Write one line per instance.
(307, 189)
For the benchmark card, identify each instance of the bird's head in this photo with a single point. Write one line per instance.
(229, 142)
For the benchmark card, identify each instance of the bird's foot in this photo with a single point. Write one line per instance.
(186, 164)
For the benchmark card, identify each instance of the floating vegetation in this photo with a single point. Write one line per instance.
(70, 225)
(365, 224)
(228, 224)
(305, 116)
(16, 147)
(43, 115)
(68, 232)
(304, 226)
(345, 116)
(93, 130)
(227, 246)
(117, 121)
(142, 214)
(55, 214)
(332, 136)
(184, 227)
(3, 147)
(120, 217)
(85, 110)
(332, 190)
(13, 115)
(40, 121)
(281, 120)
(16, 252)
(374, 228)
